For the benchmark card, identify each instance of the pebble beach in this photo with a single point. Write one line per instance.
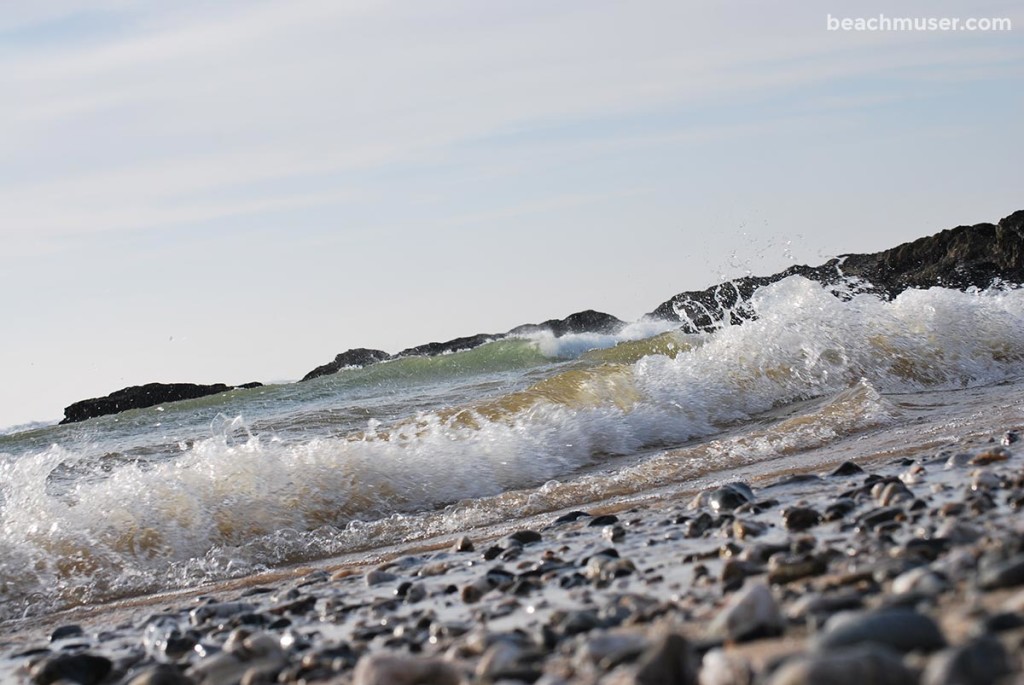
(898, 569)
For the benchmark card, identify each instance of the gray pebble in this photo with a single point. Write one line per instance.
(800, 518)
(1001, 574)
(378, 577)
(982, 661)
(398, 669)
(903, 630)
(669, 661)
(858, 665)
(751, 613)
(730, 496)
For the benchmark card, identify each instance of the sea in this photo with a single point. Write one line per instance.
(253, 480)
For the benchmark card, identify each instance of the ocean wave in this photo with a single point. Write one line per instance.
(240, 500)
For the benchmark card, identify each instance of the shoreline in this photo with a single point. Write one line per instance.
(565, 608)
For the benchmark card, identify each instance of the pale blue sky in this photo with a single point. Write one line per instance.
(236, 191)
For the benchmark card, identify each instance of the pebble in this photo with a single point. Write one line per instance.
(847, 468)
(982, 661)
(743, 529)
(730, 496)
(398, 669)
(605, 520)
(1002, 574)
(861, 665)
(751, 613)
(162, 674)
(613, 533)
(218, 610)
(379, 577)
(722, 668)
(463, 544)
(612, 646)
(786, 568)
(903, 630)
(570, 517)
(84, 669)
(670, 661)
(920, 580)
(64, 632)
(798, 519)
(258, 654)
(525, 537)
(507, 660)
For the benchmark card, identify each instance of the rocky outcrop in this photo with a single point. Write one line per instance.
(961, 257)
(359, 356)
(457, 345)
(141, 396)
(588, 321)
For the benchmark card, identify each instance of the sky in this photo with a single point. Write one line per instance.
(237, 191)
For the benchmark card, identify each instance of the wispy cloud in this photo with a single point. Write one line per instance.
(204, 100)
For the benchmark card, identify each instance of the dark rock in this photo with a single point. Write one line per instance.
(84, 669)
(1003, 621)
(750, 614)
(249, 386)
(794, 479)
(730, 496)
(784, 569)
(876, 517)
(359, 356)
(525, 537)
(138, 397)
(162, 674)
(605, 520)
(903, 630)
(999, 574)
(839, 509)
(569, 517)
(849, 666)
(982, 661)
(800, 518)
(698, 525)
(64, 632)
(463, 544)
(962, 257)
(847, 468)
(588, 321)
(670, 661)
(456, 345)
